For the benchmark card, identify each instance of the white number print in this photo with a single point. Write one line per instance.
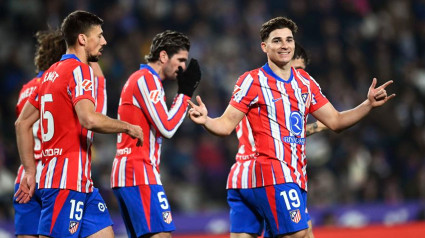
(37, 142)
(76, 210)
(46, 115)
(292, 199)
(163, 200)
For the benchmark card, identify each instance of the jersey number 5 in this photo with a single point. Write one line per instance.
(46, 133)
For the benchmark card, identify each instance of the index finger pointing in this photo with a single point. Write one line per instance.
(385, 84)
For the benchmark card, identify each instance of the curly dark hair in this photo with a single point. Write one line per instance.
(277, 23)
(78, 22)
(170, 41)
(50, 47)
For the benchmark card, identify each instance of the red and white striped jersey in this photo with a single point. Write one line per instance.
(24, 94)
(26, 91)
(65, 143)
(101, 97)
(272, 136)
(142, 103)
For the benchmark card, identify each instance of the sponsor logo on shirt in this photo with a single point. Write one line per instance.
(155, 95)
(276, 99)
(73, 226)
(87, 85)
(296, 120)
(101, 207)
(293, 139)
(124, 151)
(52, 152)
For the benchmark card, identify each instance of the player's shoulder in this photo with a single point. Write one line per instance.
(34, 82)
(251, 74)
(70, 65)
(304, 73)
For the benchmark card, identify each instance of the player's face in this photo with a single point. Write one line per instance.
(95, 43)
(280, 46)
(298, 63)
(172, 65)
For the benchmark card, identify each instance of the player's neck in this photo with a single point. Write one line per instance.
(81, 54)
(158, 69)
(283, 71)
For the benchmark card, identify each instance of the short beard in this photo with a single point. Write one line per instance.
(92, 58)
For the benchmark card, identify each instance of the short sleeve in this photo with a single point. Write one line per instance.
(244, 92)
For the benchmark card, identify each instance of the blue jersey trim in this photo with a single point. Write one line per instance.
(40, 74)
(145, 66)
(269, 71)
(69, 56)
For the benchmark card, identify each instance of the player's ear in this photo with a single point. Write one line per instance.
(82, 39)
(163, 56)
(263, 46)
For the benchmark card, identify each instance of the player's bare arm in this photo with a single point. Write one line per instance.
(314, 127)
(220, 126)
(25, 141)
(338, 121)
(97, 122)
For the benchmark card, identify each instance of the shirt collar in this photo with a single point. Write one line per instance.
(70, 56)
(145, 66)
(270, 72)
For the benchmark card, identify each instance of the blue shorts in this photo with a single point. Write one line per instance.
(27, 215)
(280, 208)
(67, 213)
(144, 209)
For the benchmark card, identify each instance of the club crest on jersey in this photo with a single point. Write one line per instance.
(295, 215)
(87, 85)
(73, 226)
(155, 95)
(167, 217)
(304, 96)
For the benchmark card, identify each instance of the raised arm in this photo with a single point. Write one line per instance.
(220, 126)
(338, 121)
(314, 128)
(97, 122)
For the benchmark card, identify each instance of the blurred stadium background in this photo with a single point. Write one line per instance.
(368, 177)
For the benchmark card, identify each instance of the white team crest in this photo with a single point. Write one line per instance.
(155, 95)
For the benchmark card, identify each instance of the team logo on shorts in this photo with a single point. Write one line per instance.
(295, 215)
(167, 217)
(73, 226)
